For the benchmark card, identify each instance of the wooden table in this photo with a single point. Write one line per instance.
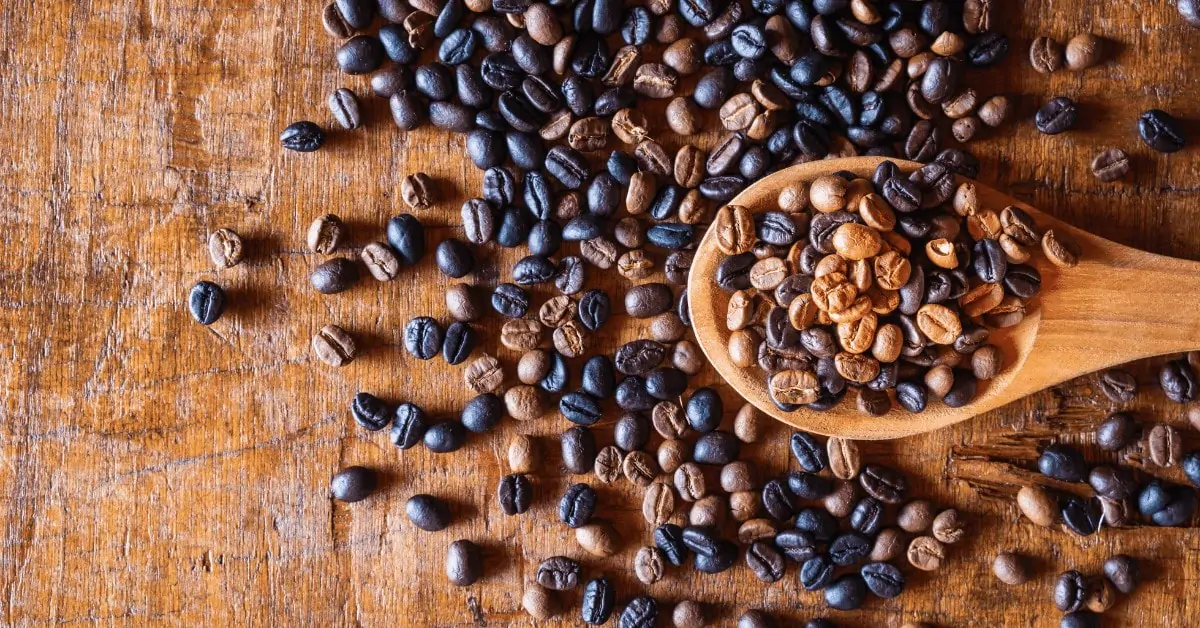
(155, 471)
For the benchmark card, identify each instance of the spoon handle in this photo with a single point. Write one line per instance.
(1119, 304)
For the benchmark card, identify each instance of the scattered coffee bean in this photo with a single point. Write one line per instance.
(302, 137)
(464, 563)
(206, 302)
(427, 512)
(1111, 165)
(353, 484)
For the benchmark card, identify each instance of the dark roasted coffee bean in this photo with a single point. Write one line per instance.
(302, 137)
(545, 238)
(515, 225)
(445, 437)
(591, 56)
(423, 337)
(847, 593)
(407, 110)
(1117, 431)
(648, 300)
(733, 273)
(671, 236)
(483, 413)
(726, 556)
(558, 573)
(577, 505)
(526, 150)
(570, 275)
(912, 396)
(464, 563)
(849, 548)
(515, 494)
(1070, 591)
(598, 379)
(765, 561)
(521, 114)
(578, 450)
(360, 55)
(1056, 116)
(486, 148)
(1161, 131)
(567, 165)
(406, 236)
(883, 483)
(459, 343)
(1115, 483)
(988, 50)
(206, 301)
(1118, 385)
(1123, 572)
(778, 500)
(1062, 462)
(533, 270)
(409, 426)
(599, 600)
(510, 300)
(555, 380)
(1080, 515)
(817, 572)
(1191, 468)
(370, 411)
(883, 579)
(714, 87)
(809, 452)
(642, 611)
(1178, 381)
(356, 13)
(716, 448)
(704, 410)
(434, 81)
(797, 545)
(353, 484)
(669, 538)
(580, 408)
(818, 523)
(631, 395)
(724, 157)
(666, 383)
(427, 512)
(334, 276)
(868, 516)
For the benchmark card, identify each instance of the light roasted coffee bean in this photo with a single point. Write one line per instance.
(926, 553)
(334, 346)
(844, 460)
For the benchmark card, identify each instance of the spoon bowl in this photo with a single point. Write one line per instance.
(1118, 304)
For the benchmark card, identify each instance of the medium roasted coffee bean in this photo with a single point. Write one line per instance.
(949, 526)
(206, 302)
(558, 573)
(648, 565)
(577, 505)
(1046, 55)
(1011, 569)
(1178, 381)
(608, 464)
(1165, 445)
(409, 426)
(578, 450)
(381, 261)
(484, 374)
(1161, 131)
(334, 346)
(427, 512)
(353, 484)
(926, 553)
(1056, 116)
(1037, 505)
(1111, 165)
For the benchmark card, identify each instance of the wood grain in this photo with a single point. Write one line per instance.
(1116, 305)
(157, 472)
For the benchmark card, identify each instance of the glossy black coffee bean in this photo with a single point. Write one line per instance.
(632, 396)
(1063, 462)
(817, 572)
(578, 94)
(818, 523)
(666, 383)
(360, 54)
(622, 166)
(796, 545)
(591, 57)
(733, 273)
(701, 539)
(445, 437)
(526, 150)
(501, 72)
(471, 89)
(666, 202)
(532, 57)
(427, 512)
(988, 50)
(370, 411)
(519, 113)
(824, 226)
(1178, 381)
(486, 148)
(849, 548)
(302, 137)
(808, 486)
(809, 452)
(514, 228)
(1180, 510)
(716, 448)
(580, 228)
(533, 270)
(559, 375)
(912, 396)
(1056, 116)
(545, 239)
(454, 258)
(580, 408)
(723, 558)
(699, 13)
(595, 308)
(778, 500)
(435, 81)
(423, 337)
(868, 516)
(570, 275)
(206, 302)
(599, 600)
(811, 139)
(409, 426)
(515, 494)
(671, 236)
(883, 579)
(632, 432)
(754, 163)
(451, 14)
(541, 94)
(604, 195)
(1081, 515)
(1023, 281)
(612, 100)
(721, 189)
(483, 413)
(639, 357)
(637, 26)
(459, 343)
(567, 165)
(1161, 131)
(578, 450)
(395, 44)
(796, 90)
(1115, 483)
(704, 410)
(598, 379)
(714, 87)
(510, 300)
(721, 53)
(406, 236)
(883, 483)
(847, 593)
(577, 505)
(669, 538)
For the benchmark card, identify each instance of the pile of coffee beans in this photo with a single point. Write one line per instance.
(890, 287)
(1083, 599)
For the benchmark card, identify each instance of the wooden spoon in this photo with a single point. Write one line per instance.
(1119, 304)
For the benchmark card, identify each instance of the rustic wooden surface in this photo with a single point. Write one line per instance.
(154, 471)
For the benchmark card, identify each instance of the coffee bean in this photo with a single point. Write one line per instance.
(1111, 165)
(1165, 445)
(1079, 515)
(206, 302)
(1046, 55)
(1190, 11)
(524, 402)
(648, 565)
(641, 612)
(926, 553)
(716, 448)
(335, 23)
(889, 544)
(558, 573)
(334, 346)
(577, 505)
(1084, 51)
(1117, 431)
(669, 539)
(849, 548)
(423, 337)
(370, 411)
(302, 137)
(724, 557)
(755, 619)
(484, 374)
(578, 450)
(331, 277)
(353, 484)
(539, 603)
(808, 452)
(409, 426)
(1037, 505)
(510, 300)
(360, 54)
(464, 563)
(1112, 482)
(1070, 590)
(816, 573)
(599, 599)
(1056, 116)
(406, 236)
(883, 483)
(883, 579)
(1062, 462)
(867, 517)
(445, 437)
(1011, 569)
(765, 562)
(671, 454)
(1178, 381)
(427, 512)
